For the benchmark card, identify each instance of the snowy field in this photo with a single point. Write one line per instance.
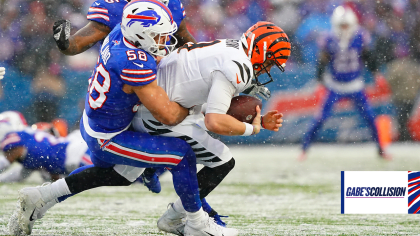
(268, 193)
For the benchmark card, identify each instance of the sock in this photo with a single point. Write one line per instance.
(178, 207)
(195, 218)
(55, 190)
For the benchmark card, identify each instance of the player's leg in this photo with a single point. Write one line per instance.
(318, 120)
(367, 113)
(121, 150)
(212, 153)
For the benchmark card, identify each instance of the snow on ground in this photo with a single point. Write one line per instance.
(268, 193)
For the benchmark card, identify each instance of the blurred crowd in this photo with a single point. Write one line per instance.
(26, 42)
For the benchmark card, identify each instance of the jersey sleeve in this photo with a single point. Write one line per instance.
(220, 95)
(138, 72)
(109, 14)
(238, 71)
(11, 141)
(178, 11)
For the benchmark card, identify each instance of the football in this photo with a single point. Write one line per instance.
(243, 108)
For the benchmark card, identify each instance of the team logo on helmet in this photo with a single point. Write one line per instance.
(147, 18)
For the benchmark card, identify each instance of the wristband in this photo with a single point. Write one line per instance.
(262, 123)
(249, 129)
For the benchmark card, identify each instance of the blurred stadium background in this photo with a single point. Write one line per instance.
(273, 195)
(43, 84)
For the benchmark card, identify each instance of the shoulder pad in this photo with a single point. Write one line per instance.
(108, 13)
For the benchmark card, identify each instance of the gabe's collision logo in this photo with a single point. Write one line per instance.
(375, 192)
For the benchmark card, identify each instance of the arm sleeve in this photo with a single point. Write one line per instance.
(220, 95)
(104, 13)
(135, 75)
(177, 10)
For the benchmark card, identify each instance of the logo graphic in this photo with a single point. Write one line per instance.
(31, 218)
(413, 192)
(379, 192)
(139, 65)
(147, 18)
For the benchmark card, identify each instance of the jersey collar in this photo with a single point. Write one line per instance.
(128, 44)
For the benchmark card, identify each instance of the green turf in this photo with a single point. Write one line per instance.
(268, 193)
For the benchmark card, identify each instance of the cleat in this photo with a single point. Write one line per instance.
(302, 156)
(208, 227)
(31, 202)
(212, 213)
(31, 207)
(153, 183)
(384, 155)
(218, 220)
(172, 221)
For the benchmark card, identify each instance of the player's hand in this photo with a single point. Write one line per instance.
(2, 72)
(61, 32)
(272, 120)
(257, 121)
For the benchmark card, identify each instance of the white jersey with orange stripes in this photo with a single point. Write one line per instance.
(185, 74)
(195, 74)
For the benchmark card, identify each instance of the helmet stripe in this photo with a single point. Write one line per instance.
(266, 25)
(155, 2)
(265, 35)
(280, 49)
(282, 57)
(280, 39)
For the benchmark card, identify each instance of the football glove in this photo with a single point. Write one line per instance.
(256, 90)
(61, 30)
(2, 72)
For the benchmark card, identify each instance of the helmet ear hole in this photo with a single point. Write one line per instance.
(269, 54)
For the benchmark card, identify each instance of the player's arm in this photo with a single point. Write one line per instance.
(155, 99)
(16, 174)
(183, 35)
(218, 102)
(15, 153)
(82, 40)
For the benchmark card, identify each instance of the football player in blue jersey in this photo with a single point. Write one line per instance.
(124, 77)
(39, 150)
(346, 52)
(103, 16)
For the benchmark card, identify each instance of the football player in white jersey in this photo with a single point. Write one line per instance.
(213, 73)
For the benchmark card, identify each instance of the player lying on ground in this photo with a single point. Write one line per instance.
(212, 73)
(36, 150)
(103, 16)
(346, 51)
(124, 75)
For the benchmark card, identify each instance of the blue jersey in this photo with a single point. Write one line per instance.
(42, 150)
(109, 12)
(345, 64)
(108, 109)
